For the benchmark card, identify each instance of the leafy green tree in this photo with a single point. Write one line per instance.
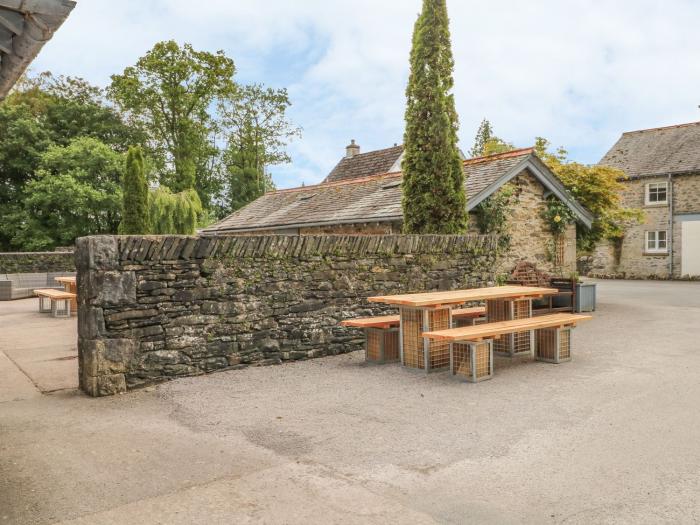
(174, 213)
(71, 107)
(169, 92)
(434, 199)
(495, 145)
(244, 186)
(486, 143)
(483, 135)
(42, 112)
(258, 131)
(75, 192)
(135, 195)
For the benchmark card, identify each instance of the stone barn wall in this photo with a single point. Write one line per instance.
(36, 262)
(156, 308)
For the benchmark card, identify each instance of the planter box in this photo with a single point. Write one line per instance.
(585, 297)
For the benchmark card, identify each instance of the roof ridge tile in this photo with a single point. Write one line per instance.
(661, 128)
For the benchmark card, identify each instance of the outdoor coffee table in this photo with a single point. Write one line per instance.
(70, 285)
(432, 311)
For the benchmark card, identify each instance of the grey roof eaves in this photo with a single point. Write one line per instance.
(548, 180)
(244, 229)
(37, 21)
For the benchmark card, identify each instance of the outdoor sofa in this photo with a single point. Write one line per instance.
(22, 285)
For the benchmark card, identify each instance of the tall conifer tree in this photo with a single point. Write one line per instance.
(434, 200)
(483, 135)
(135, 195)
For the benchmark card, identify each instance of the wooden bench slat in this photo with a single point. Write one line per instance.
(468, 313)
(388, 321)
(384, 321)
(54, 294)
(494, 330)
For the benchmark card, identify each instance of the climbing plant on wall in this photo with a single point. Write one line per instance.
(558, 215)
(492, 214)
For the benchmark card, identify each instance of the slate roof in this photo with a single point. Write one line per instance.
(658, 151)
(25, 26)
(378, 198)
(365, 164)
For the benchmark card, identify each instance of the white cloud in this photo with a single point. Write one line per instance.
(578, 72)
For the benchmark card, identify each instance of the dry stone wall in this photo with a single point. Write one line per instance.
(155, 308)
(36, 262)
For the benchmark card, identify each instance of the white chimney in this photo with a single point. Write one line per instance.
(352, 150)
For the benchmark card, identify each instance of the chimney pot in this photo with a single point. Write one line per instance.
(352, 150)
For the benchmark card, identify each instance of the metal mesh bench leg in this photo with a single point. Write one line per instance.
(417, 352)
(382, 345)
(472, 362)
(510, 345)
(60, 312)
(553, 345)
(43, 309)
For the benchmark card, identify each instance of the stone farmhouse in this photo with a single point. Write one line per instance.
(25, 26)
(362, 195)
(663, 166)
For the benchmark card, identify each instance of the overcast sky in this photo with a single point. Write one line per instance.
(576, 72)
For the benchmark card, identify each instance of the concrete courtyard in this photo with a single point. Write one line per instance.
(611, 437)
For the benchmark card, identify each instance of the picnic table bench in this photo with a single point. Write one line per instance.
(382, 332)
(56, 298)
(431, 311)
(471, 348)
(70, 285)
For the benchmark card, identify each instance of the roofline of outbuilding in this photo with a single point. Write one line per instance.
(530, 161)
(661, 128)
(542, 172)
(286, 226)
(467, 162)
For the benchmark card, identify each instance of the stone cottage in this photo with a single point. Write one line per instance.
(24, 29)
(663, 166)
(362, 194)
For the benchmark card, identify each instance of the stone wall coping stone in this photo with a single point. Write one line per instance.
(110, 250)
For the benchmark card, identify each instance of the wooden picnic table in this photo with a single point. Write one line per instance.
(432, 311)
(71, 286)
(456, 297)
(55, 298)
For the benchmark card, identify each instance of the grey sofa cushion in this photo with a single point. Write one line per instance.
(33, 280)
(21, 293)
(22, 285)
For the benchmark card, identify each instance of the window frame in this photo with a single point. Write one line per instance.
(657, 186)
(656, 240)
